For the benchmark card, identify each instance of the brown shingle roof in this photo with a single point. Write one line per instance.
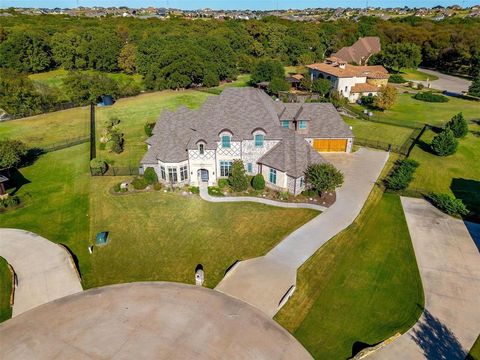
(362, 88)
(360, 51)
(351, 70)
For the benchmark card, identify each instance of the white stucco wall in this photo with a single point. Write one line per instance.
(198, 161)
(250, 153)
(282, 181)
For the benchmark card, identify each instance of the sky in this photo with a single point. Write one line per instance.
(233, 4)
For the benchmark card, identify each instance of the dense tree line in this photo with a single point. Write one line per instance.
(179, 53)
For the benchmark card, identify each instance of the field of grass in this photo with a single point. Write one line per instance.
(5, 290)
(372, 131)
(362, 286)
(417, 75)
(408, 110)
(154, 236)
(163, 236)
(457, 174)
(55, 78)
(474, 353)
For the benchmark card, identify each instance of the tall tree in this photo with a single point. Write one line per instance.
(402, 55)
(25, 51)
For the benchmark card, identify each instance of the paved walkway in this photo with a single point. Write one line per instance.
(264, 281)
(449, 264)
(150, 320)
(445, 82)
(45, 270)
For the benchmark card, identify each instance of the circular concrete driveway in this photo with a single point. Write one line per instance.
(150, 320)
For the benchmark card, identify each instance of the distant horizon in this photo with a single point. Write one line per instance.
(227, 5)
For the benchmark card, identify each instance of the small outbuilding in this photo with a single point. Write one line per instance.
(101, 238)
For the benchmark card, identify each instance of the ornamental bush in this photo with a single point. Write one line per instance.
(323, 177)
(444, 144)
(98, 167)
(148, 127)
(258, 182)
(9, 201)
(396, 79)
(458, 125)
(429, 96)
(238, 178)
(448, 204)
(139, 183)
(150, 176)
(401, 175)
(222, 183)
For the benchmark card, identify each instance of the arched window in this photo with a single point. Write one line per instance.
(201, 149)
(259, 139)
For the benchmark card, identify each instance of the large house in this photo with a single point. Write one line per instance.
(360, 52)
(272, 138)
(351, 81)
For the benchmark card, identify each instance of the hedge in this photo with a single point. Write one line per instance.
(429, 96)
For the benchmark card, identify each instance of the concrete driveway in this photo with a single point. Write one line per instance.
(147, 321)
(449, 264)
(45, 271)
(445, 82)
(266, 282)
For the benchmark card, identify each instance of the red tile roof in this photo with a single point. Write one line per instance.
(364, 88)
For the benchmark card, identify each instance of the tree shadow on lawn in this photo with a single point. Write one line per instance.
(468, 190)
(16, 181)
(436, 340)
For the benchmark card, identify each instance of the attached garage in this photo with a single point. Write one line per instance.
(333, 145)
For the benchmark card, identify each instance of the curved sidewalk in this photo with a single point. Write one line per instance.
(220, 199)
(44, 270)
(267, 282)
(449, 264)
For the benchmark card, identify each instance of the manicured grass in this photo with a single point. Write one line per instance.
(154, 236)
(134, 113)
(372, 131)
(417, 75)
(408, 110)
(361, 286)
(5, 290)
(163, 236)
(474, 353)
(55, 200)
(457, 174)
(55, 78)
(47, 129)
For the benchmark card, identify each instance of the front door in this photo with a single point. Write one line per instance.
(204, 175)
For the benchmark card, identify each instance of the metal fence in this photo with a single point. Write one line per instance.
(375, 118)
(65, 144)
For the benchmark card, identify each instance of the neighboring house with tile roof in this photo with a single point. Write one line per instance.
(276, 139)
(351, 81)
(360, 52)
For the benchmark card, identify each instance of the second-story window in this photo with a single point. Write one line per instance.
(259, 138)
(201, 149)
(302, 124)
(285, 124)
(226, 142)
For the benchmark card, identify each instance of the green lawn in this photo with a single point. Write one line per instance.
(457, 174)
(418, 75)
(372, 131)
(5, 290)
(154, 236)
(55, 78)
(408, 110)
(474, 353)
(361, 286)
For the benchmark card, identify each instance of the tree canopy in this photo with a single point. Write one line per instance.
(11, 153)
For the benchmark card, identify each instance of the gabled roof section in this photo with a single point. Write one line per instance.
(360, 51)
(292, 155)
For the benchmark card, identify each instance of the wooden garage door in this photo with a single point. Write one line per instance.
(330, 144)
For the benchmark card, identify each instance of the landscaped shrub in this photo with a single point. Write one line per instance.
(258, 182)
(238, 178)
(194, 189)
(429, 96)
(367, 100)
(309, 193)
(444, 144)
(323, 177)
(117, 187)
(9, 201)
(214, 191)
(150, 176)
(420, 86)
(458, 125)
(222, 183)
(401, 175)
(139, 183)
(157, 186)
(448, 204)
(396, 79)
(148, 127)
(116, 142)
(474, 89)
(98, 167)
